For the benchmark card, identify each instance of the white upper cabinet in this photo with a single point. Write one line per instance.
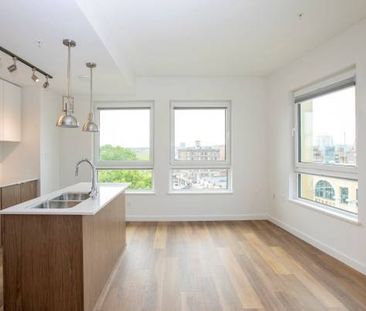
(10, 112)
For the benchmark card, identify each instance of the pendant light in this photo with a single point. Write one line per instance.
(67, 119)
(90, 125)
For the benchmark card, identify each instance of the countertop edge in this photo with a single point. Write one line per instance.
(89, 207)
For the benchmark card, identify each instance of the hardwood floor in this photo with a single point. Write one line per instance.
(249, 265)
(245, 265)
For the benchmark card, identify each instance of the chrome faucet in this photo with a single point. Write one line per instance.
(94, 189)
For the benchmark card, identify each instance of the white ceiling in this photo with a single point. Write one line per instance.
(24, 22)
(128, 38)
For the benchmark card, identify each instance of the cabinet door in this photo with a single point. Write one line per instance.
(9, 196)
(28, 190)
(11, 116)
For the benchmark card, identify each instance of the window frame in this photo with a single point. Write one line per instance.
(201, 104)
(126, 165)
(199, 164)
(347, 172)
(124, 105)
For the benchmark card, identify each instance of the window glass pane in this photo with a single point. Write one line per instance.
(334, 192)
(199, 179)
(328, 128)
(124, 135)
(138, 179)
(200, 134)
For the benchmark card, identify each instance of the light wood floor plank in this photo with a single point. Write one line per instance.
(230, 266)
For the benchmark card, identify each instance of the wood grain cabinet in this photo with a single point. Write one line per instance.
(10, 196)
(28, 190)
(10, 112)
(15, 194)
(62, 262)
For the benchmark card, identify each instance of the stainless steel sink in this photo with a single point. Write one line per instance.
(57, 204)
(72, 196)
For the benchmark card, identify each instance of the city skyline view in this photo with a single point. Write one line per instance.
(334, 115)
(328, 128)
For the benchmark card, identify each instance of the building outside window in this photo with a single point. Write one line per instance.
(124, 146)
(326, 151)
(324, 189)
(200, 146)
(344, 194)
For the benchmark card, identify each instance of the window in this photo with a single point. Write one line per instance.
(203, 179)
(124, 145)
(323, 189)
(337, 193)
(344, 191)
(326, 158)
(138, 179)
(200, 150)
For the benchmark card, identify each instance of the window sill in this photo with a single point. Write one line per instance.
(353, 219)
(201, 192)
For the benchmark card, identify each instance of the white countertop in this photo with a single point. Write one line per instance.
(107, 192)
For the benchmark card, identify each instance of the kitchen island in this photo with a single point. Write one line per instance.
(60, 249)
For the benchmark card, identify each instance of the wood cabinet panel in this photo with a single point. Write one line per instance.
(61, 263)
(104, 237)
(28, 190)
(15, 194)
(43, 263)
(10, 196)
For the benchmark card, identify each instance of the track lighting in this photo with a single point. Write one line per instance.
(46, 84)
(34, 77)
(13, 67)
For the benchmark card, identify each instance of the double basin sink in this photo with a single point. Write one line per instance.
(65, 200)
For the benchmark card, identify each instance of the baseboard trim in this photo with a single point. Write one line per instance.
(320, 245)
(133, 218)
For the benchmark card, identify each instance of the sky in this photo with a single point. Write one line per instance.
(130, 128)
(335, 114)
(205, 125)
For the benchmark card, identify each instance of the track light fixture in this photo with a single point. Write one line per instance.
(46, 84)
(34, 77)
(13, 67)
(17, 59)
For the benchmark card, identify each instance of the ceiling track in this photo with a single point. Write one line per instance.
(19, 59)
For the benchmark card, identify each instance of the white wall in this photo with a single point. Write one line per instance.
(20, 160)
(36, 156)
(49, 142)
(249, 151)
(344, 240)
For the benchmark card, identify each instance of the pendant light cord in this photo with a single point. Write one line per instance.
(68, 70)
(91, 89)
